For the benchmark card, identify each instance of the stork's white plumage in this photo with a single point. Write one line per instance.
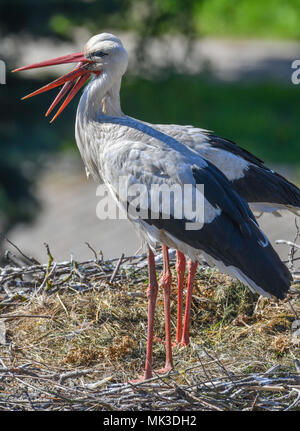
(115, 147)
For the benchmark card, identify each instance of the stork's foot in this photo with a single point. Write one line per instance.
(183, 342)
(143, 377)
(164, 370)
(140, 379)
(160, 340)
(148, 374)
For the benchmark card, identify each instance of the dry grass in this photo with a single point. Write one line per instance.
(81, 320)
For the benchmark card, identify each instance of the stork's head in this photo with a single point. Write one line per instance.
(107, 53)
(103, 53)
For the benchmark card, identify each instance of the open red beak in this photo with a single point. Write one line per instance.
(72, 81)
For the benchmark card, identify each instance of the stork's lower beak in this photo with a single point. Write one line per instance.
(72, 81)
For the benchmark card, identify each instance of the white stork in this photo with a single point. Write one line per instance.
(115, 146)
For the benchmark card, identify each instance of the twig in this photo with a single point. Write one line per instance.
(13, 316)
(48, 275)
(289, 243)
(10, 257)
(193, 398)
(297, 365)
(77, 373)
(63, 305)
(116, 269)
(93, 251)
(29, 259)
(293, 310)
(254, 402)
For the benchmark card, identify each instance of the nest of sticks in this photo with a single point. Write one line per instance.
(73, 335)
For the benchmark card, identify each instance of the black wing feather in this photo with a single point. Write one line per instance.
(259, 184)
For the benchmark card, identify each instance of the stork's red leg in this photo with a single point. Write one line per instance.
(165, 282)
(192, 267)
(152, 295)
(180, 269)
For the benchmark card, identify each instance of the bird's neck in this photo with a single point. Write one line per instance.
(101, 97)
(110, 103)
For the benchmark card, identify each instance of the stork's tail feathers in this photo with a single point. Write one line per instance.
(290, 193)
(265, 272)
(268, 191)
(258, 266)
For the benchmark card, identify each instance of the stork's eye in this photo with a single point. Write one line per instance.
(98, 54)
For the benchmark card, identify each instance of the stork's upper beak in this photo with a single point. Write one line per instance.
(72, 81)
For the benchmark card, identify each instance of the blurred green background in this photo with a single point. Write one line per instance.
(261, 115)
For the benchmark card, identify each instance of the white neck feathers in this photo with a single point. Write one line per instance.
(101, 97)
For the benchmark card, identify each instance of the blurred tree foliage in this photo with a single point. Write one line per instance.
(27, 140)
(250, 18)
